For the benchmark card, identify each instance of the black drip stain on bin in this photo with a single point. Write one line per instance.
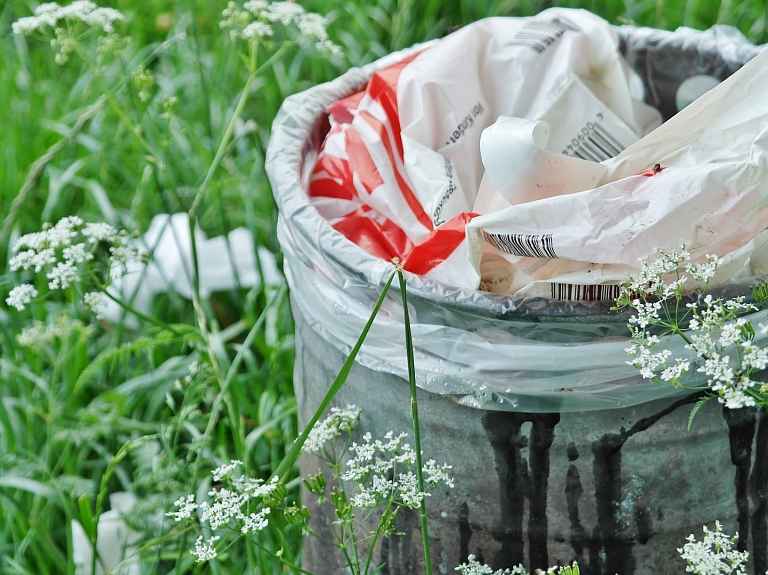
(611, 534)
(573, 492)
(520, 480)
(759, 492)
(741, 431)
(465, 532)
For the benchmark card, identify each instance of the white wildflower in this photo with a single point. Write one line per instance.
(313, 26)
(339, 421)
(95, 301)
(255, 521)
(227, 505)
(714, 555)
(49, 14)
(20, 296)
(409, 490)
(256, 30)
(204, 551)
(257, 7)
(674, 372)
(647, 313)
(225, 470)
(255, 488)
(734, 398)
(702, 343)
(186, 507)
(62, 275)
(648, 362)
(704, 271)
(434, 474)
(77, 254)
(719, 369)
(729, 335)
(124, 253)
(37, 334)
(31, 259)
(99, 232)
(754, 357)
(473, 567)
(284, 12)
(364, 499)
(329, 48)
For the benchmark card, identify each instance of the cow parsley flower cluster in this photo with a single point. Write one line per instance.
(382, 472)
(39, 334)
(63, 21)
(50, 14)
(714, 555)
(241, 504)
(256, 18)
(339, 421)
(65, 252)
(474, 567)
(721, 340)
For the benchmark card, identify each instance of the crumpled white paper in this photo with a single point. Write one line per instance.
(170, 267)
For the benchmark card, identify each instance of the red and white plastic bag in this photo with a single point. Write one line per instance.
(512, 155)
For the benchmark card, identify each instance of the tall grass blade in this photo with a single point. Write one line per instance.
(293, 454)
(415, 417)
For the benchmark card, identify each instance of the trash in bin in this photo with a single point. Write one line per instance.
(540, 481)
(483, 349)
(516, 156)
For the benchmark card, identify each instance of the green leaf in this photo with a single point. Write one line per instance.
(293, 453)
(86, 515)
(699, 404)
(760, 293)
(26, 484)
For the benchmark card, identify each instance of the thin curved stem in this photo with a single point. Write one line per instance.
(415, 417)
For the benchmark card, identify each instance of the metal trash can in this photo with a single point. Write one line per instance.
(560, 451)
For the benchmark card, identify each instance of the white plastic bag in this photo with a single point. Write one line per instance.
(699, 180)
(401, 167)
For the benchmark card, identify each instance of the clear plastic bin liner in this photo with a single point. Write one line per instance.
(481, 349)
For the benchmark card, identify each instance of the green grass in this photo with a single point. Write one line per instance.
(67, 407)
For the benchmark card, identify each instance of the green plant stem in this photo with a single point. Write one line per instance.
(376, 536)
(119, 456)
(226, 136)
(293, 454)
(283, 561)
(113, 102)
(130, 309)
(415, 417)
(227, 380)
(354, 565)
(253, 74)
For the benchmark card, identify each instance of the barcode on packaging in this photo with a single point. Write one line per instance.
(525, 245)
(538, 36)
(593, 143)
(574, 292)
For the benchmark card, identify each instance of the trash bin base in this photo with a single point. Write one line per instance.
(616, 490)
